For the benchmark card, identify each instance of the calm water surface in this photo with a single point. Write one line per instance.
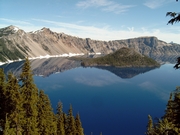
(109, 104)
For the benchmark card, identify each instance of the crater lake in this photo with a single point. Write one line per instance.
(114, 101)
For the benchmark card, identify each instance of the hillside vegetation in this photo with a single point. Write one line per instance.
(169, 123)
(124, 57)
(26, 110)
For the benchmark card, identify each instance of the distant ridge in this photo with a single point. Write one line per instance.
(17, 44)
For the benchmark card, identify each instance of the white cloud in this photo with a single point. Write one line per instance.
(93, 3)
(106, 33)
(153, 4)
(117, 8)
(105, 5)
(131, 29)
(15, 21)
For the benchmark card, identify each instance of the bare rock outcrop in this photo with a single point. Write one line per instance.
(17, 44)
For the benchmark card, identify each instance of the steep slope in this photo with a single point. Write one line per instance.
(151, 46)
(16, 44)
(10, 49)
(51, 42)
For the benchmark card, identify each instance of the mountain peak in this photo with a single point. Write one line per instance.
(10, 30)
(46, 42)
(12, 27)
(46, 29)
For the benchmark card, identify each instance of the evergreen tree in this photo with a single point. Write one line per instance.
(170, 122)
(79, 129)
(164, 127)
(65, 122)
(14, 101)
(46, 123)
(24, 111)
(60, 119)
(176, 108)
(150, 126)
(71, 127)
(9, 130)
(169, 112)
(2, 99)
(29, 93)
(175, 17)
(6, 130)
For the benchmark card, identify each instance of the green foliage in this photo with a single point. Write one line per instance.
(30, 97)
(25, 111)
(14, 103)
(124, 57)
(164, 126)
(170, 122)
(71, 127)
(169, 112)
(8, 50)
(175, 17)
(67, 124)
(150, 126)
(6, 127)
(61, 119)
(79, 129)
(46, 122)
(2, 98)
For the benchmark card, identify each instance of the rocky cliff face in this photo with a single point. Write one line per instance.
(151, 46)
(17, 44)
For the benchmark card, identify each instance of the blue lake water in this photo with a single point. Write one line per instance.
(109, 104)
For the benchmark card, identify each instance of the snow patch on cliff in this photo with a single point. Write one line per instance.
(16, 29)
(46, 56)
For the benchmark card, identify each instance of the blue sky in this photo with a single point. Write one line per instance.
(95, 19)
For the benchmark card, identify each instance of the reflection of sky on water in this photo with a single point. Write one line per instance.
(108, 103)
(162, 93)
(98, 78)
(160, 81)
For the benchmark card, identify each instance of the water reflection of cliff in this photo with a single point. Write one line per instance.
(127, 73)
(46, 67)
(42, 67)
(53, 65)
(162, 59)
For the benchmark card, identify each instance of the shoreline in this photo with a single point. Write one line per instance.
(42, 57)
(49, 56)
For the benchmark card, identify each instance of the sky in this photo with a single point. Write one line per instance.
(96, 19)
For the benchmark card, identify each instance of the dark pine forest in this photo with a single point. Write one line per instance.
(26, 110)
